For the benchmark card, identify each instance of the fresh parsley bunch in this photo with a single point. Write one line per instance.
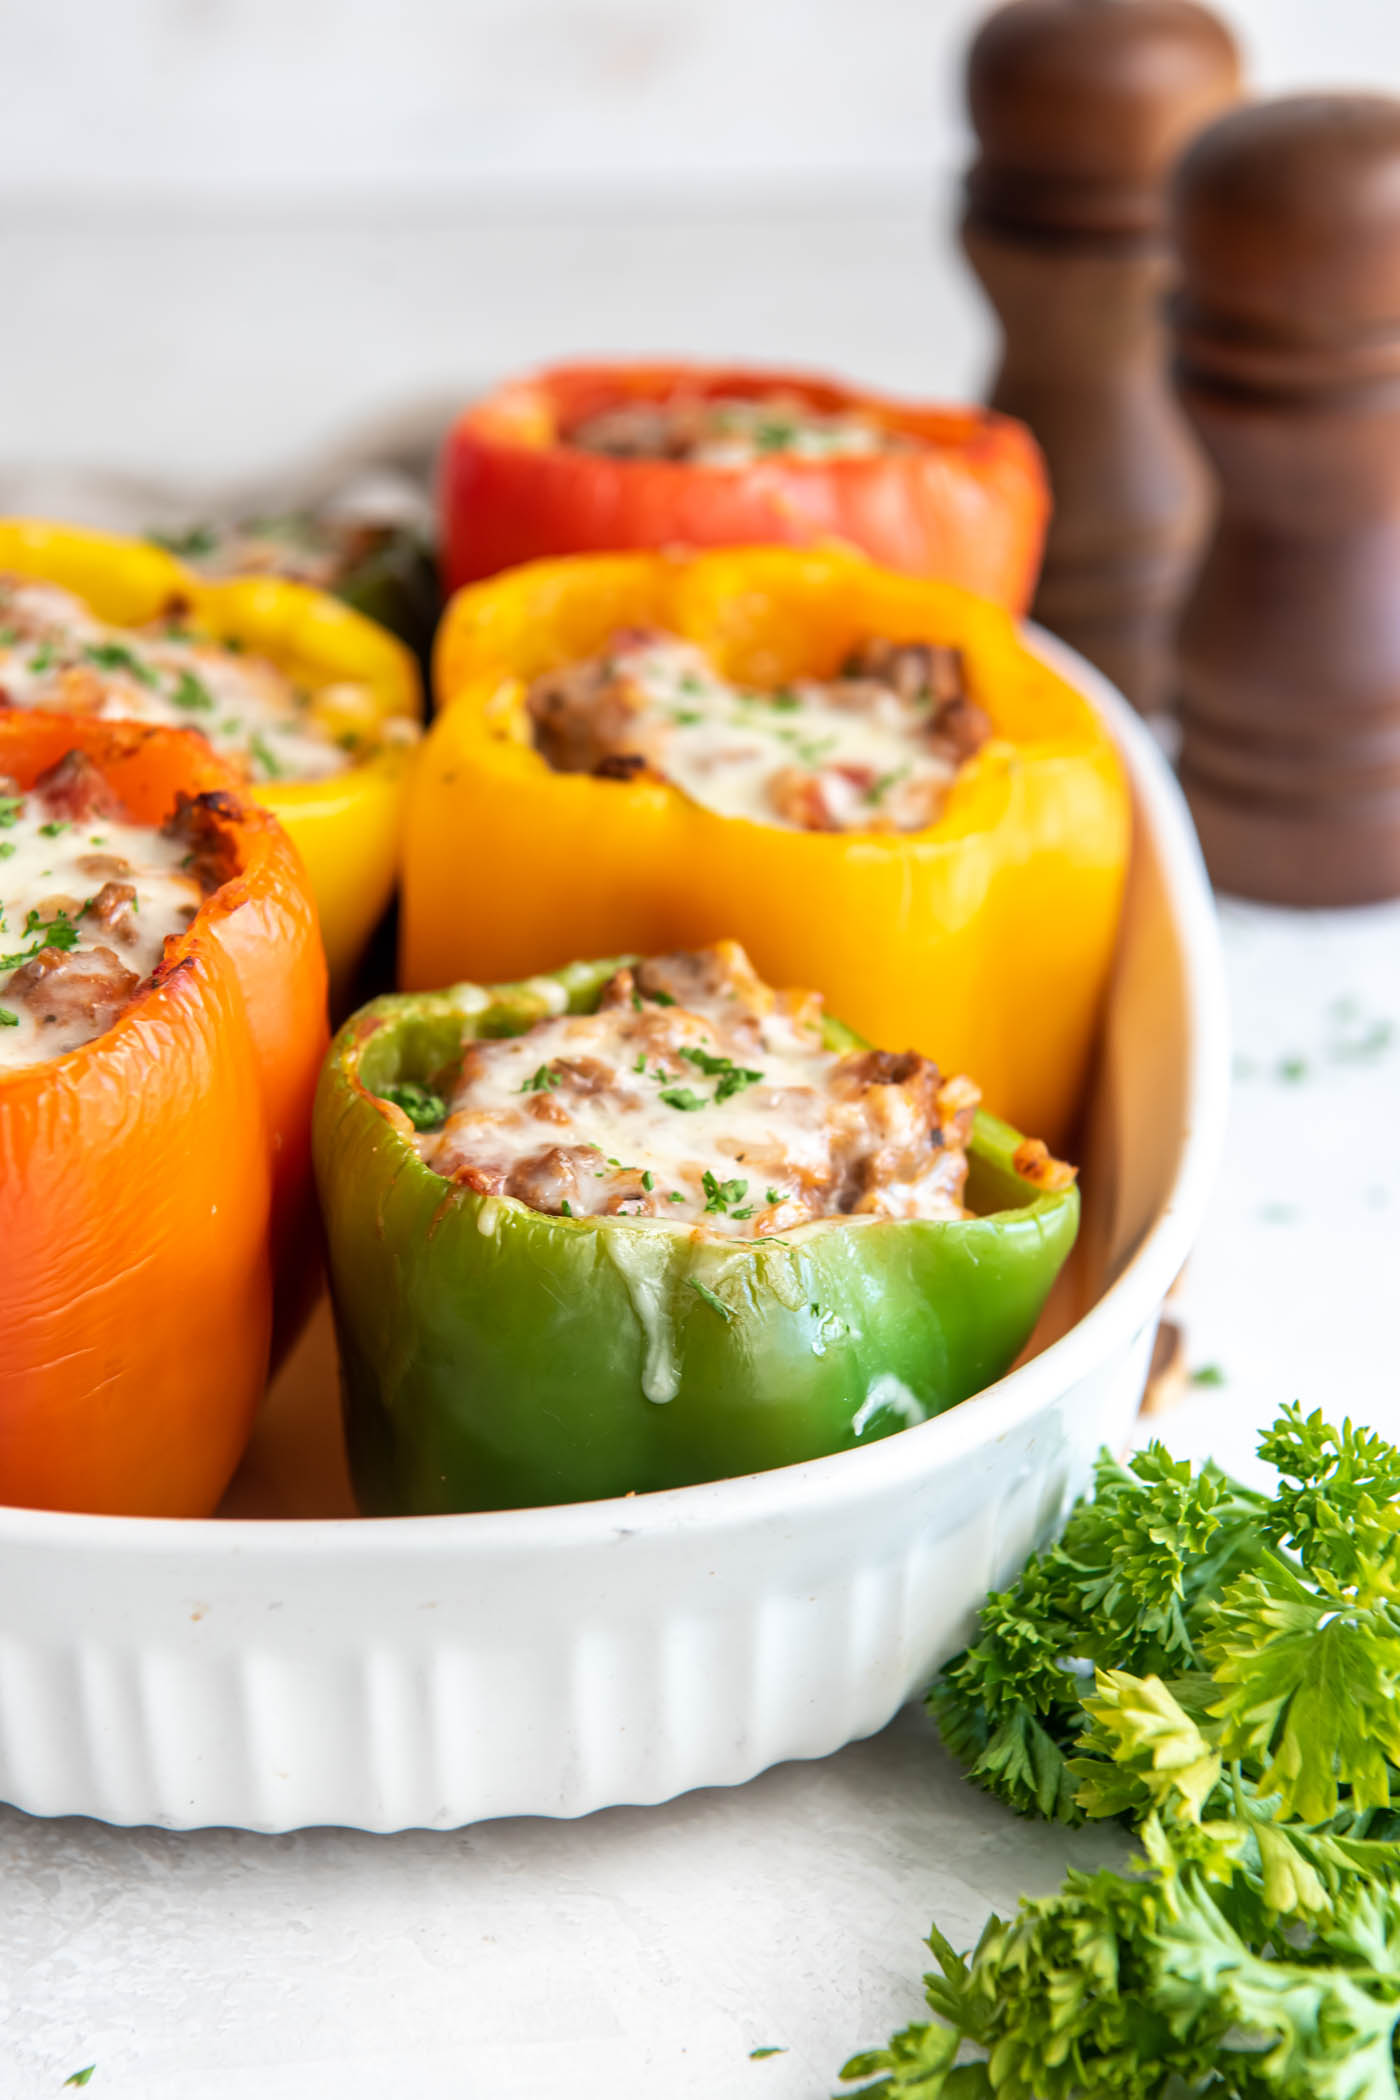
(1221, 1668)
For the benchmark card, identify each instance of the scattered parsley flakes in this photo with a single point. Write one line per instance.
(57, 932)
(675, 1197)
(1208, 1374)
(768, 2049)
(541, 1081)
(54, 829)
(425, 1109)
(684, 1097)
(42, 659)
(265, 756)
(702, 1290)
(192, 694)
(7, 847)
(722, 1195)
(8, 1019)
(83, 2077)
(661, 998)
(1292, 1069)
(641, 1064)
(10, 807)
(115, 656)
(772, 1196)
(566, 1208)
(648, 1181)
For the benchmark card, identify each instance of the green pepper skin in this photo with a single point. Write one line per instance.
(494, 1357)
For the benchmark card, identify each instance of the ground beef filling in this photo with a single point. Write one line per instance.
(87, 902)
(732, 430)
(875, 749)
(55, 654)
(698, 1096)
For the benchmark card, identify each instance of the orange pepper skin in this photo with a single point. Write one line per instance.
(150, 1180)
(968, 500)
(346, 827)
(984, 941)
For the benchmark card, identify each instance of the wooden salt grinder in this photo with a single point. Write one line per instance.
(1287, 221)
(1080, 109)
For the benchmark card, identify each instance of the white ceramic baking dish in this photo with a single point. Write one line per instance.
(272, 1674)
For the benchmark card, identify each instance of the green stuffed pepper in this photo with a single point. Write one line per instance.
(525, 1317)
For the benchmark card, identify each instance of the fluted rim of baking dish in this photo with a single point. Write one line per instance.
(845, 1477)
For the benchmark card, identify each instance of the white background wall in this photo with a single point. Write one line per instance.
(255, 98)
(232, 231)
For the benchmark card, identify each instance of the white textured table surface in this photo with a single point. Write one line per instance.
(639, 1955)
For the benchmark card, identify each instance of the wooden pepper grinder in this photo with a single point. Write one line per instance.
(1080, 109)
(1287, 223)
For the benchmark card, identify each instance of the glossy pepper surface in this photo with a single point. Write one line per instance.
(154, 1181)
(496, 1357)
(345, 827)
(966, 497)
(984, 941)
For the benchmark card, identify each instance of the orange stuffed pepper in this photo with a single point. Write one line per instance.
(314, 706)
(586, 458)
(162, 1023)
(868, 780)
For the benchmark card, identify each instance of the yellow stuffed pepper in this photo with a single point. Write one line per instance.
(866, 778)
(314, 704)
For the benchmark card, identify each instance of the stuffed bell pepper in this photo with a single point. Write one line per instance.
(586, 458)
(312, 705)
(868, 779)
(643, 1223)
(382, 564)
(162, 1024)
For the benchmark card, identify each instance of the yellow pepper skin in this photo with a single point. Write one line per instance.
(346, 828)
(984, 941)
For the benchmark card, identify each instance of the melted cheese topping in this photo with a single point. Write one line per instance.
(53, 876)
(724, 430)
(55, 654)
(715, 1107)
(849, 754)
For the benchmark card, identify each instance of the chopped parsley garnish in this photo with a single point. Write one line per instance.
(683, 1097)
(675, 1197)
(54, 829)
(740, 1214)
(115, 656)
(686, 717)
(772, 1196)
(721, 1195)
(775, 436)
(691, 682)
(7, 1019)
(880, 787)
(661, 998)
(702, 1290)
(1208, 1374)
(83, 2077)
(540, 1082)
(57, 932)
(42, 658)
(641, 1064)
(266, 757)
(648, 1181)
(566, 1208)
(425, 1109)
(732, 1078)
(10, 807)
(192, 694)
(784, 697)
(7, 847)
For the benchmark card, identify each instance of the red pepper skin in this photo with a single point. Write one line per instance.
(968, 502)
